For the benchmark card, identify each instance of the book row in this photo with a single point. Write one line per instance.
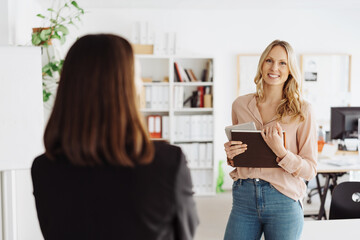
(202, 181)
(155, 97)
(187, 74)
(188, 127)
(158, 126)
(199, 97)
(198, 154)
(193, 127)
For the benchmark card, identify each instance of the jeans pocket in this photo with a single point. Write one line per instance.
(280, 196)
(236, 184)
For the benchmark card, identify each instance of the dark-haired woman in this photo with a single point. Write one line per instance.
(101, 177)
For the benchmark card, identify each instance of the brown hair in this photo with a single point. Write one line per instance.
(96, 119)
(291, 102)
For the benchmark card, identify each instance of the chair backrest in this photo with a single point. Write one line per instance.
(345, 201)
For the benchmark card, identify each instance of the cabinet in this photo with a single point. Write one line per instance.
(190, 125)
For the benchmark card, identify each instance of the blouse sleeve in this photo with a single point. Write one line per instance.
(186, 214)
(233, 115)
(304, 163)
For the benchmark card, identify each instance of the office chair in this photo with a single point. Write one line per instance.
(345, 201)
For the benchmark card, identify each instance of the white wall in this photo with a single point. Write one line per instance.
(4, 23)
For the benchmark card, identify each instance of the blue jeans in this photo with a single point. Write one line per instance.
(259, 208)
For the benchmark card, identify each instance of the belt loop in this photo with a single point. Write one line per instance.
(240, 183)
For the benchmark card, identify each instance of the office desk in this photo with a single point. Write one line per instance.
(347, 229)
(331, 172)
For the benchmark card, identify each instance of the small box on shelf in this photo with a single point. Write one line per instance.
(143, 48)
(146, 79)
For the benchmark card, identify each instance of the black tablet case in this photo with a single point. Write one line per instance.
(258, 153)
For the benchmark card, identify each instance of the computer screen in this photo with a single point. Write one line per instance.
(344, 122)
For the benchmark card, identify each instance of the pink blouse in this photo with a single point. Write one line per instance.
(299, 163)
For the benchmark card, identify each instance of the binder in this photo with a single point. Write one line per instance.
(148, 97)
(154, 126)
(258, 153)
(165, 127)
(157, 133)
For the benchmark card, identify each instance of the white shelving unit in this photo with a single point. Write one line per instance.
(191, 128)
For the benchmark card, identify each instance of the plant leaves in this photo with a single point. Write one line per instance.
(46, 95)
(51, 10)
(40, 16)
(45, 34)
(56, 35)
(35, 39)
(63, 29)
(47, 70)
(63, 39)
(54, 21)
(74, 3)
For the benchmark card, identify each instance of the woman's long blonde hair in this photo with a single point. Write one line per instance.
(291, 102)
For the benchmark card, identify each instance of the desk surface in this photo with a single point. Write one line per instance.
(331, 229)
(329, 168)
(341, 162)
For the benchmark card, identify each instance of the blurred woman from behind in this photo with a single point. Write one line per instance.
(101, 177)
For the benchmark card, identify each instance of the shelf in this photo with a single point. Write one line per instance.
(176, 57)
(193, 84)
(201, 168)
(154, 110)
(193, 141)
(193, 110)
(156, 84)
(151, 56)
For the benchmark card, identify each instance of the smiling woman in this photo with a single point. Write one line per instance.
(268, 200)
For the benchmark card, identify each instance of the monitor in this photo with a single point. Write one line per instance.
(344, 122)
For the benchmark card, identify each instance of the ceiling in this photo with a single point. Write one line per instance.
(219, 4)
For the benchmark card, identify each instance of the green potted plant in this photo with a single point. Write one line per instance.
(55, 26)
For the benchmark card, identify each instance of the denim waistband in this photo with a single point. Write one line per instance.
(254, 180)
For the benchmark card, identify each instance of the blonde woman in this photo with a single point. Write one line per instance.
(268, 200)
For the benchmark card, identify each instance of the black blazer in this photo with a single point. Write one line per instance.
(148, 202)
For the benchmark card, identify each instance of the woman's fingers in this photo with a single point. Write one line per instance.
(236, 150)
(231, 143)
(233, 148)
(230, 162)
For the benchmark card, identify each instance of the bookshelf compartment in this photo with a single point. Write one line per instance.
(149, 73)
(192, 96)
(201, 67)
(155, 97)
(158, 125)
(191, 128)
